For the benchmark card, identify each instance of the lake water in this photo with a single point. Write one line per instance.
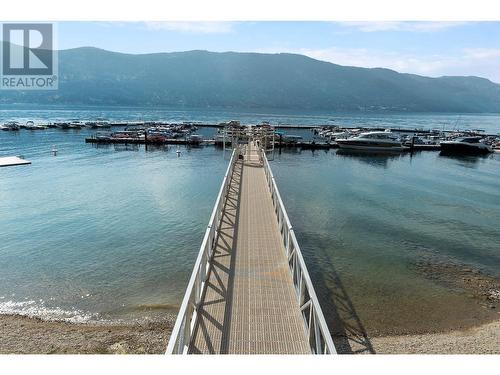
(112, 232)
(365, 223)
(489, 122)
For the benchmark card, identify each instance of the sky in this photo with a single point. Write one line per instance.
(426, 48)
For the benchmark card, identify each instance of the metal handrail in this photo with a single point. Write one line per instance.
(186, 318)
(319, 336)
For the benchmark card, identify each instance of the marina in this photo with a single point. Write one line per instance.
(419, 141)
(349, 260)
(318, 137)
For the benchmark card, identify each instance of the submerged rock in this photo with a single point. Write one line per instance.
(463, 278)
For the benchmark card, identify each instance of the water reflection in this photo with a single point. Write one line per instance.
(126, 147)
(156, 147)
(467, 161)
(376, 159)
(117, 146)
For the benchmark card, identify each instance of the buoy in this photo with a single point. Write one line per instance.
(178, 152)
(54, 150)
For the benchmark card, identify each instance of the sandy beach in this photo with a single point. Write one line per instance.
(23, 335)
(484, 339)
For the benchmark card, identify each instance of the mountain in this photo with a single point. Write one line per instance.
(251, 80)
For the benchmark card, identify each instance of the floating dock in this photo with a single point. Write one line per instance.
(308, 145)
(173, 141)
(305, 145)
(11, 161)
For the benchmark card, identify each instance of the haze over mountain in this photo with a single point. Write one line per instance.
(251, 80)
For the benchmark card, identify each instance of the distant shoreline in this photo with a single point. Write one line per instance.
(30, 106)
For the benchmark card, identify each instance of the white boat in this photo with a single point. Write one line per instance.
(373, 141)
(466, 146)
(291, 138)
(339, 135)
(103, 124)
(422, 141)
(195, 138)
(30, 125)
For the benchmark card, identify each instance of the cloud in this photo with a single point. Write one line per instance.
(193, 27)
(364, 57)
(480, 62)
(408, 26)
(482, 53)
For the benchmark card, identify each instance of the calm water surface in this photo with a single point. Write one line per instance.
(112, 232)
(100, 230)
(489, 122)
(364, 222)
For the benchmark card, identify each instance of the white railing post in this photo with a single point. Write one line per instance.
(317, 333)
(288, 241)
(211, 235)
(184, 333)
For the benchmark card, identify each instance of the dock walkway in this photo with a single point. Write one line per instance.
(250, 292)
(249, 305)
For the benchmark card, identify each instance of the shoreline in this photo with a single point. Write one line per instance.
(483, 339)
(25, 335)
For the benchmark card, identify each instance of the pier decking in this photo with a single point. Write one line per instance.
(250, 292)
(249, 305)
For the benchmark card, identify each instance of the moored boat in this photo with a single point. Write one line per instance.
(195, 138)
(30, 125)
(466, 146)
(11, 125)
(373, 141)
